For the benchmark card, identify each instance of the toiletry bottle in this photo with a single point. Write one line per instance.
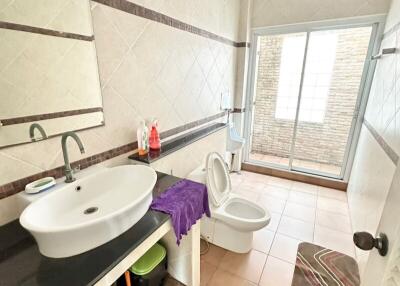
(154, 136)
(143, 138)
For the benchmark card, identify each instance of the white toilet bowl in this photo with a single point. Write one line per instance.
(233, 217)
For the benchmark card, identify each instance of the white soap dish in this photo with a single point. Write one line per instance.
(40, 185)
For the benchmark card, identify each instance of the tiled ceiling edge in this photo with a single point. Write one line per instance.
(17, 186)
(45, 116)
(140, 11)
(394, 157)
(43, 31)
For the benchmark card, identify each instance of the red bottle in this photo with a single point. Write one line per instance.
(154, 139)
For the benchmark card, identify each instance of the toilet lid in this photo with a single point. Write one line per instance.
(218, 180)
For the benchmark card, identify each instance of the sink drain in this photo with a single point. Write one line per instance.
(91, 210)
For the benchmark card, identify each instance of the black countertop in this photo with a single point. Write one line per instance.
(22, 264)
(177, 143)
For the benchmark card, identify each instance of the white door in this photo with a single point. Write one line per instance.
(386, 270)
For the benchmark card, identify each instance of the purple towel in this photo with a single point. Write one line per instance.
(186, 202)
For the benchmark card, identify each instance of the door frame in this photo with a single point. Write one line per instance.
(377, 23)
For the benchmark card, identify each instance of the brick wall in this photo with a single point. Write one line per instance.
(319, 142)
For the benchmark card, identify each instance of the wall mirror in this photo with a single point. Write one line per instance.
(48, 70)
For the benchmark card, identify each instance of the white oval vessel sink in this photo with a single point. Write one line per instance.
(91, 211)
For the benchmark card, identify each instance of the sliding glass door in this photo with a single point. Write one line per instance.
(305, 99)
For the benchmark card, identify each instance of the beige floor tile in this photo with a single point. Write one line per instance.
(306, 188)
(274, 222)
(332, 194)
(277, 273)
(285, 248)
(279, 182)
(207, 270)
(277, 192)
(225, 278)
(247, 193)
(300, 212)
(262, 240)
(236, 179)
(335, 240)
(303, 198)
(272, 204)
(296, 228)
(333, 221)
(248, 266)
(253, 186)
(214, 255)
(332, 205)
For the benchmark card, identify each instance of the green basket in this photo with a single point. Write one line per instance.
(149, 260)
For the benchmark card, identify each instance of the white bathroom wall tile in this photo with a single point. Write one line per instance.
(10, 209)
(12, 168)
(129, 27)
(144, 66)
(110, 45)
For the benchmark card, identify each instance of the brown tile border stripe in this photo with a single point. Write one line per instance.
(238, 110)
(17, 186)
(140, 11)
(43, 31)
(388, 150)
(304, 178)
(38, 117)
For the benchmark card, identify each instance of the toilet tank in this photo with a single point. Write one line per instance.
(206, 223)
(198, 175)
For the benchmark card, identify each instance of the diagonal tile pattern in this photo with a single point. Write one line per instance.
(147, 70)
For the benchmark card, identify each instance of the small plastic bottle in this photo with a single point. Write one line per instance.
(154, 140)
(143, 138)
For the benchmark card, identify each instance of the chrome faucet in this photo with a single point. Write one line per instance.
(32, 132)
(69, 178)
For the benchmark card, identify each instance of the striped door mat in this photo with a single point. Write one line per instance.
(319, 266)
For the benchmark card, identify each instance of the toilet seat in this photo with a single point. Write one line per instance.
(233, 218)
(242, 213)
(230, 208)
(217, 178)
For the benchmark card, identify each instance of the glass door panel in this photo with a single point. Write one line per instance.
(328, 102)
(278, 72)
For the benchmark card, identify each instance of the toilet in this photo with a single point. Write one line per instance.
(233, 217)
